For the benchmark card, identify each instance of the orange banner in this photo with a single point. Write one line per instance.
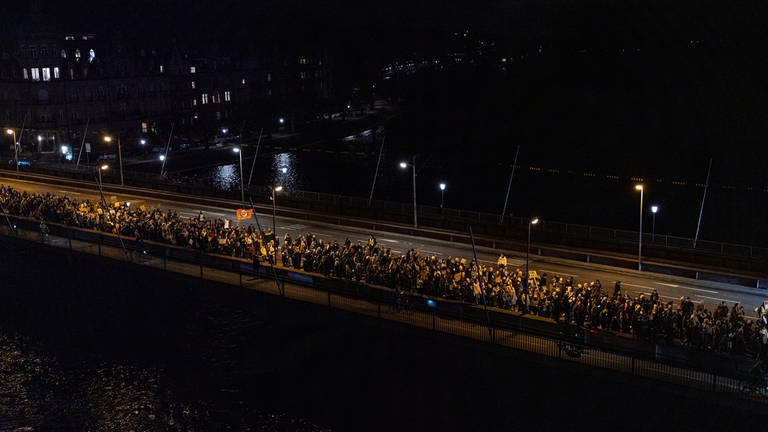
(244, 214)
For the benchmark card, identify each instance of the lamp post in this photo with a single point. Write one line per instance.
(404, 165)
(654, 210)
(274, 209)
(108, 139)
(101, 191)
(640, 238)
(242, 190)
(10, 131)
(442, 194)
(531, 222)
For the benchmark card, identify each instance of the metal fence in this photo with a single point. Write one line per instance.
(499, 327)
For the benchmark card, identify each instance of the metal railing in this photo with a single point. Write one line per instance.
(702, 370)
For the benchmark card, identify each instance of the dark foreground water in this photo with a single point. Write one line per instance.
(91, 346)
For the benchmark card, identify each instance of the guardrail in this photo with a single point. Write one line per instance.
(704, 370)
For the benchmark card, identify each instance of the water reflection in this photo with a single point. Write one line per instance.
(226, 177)
(284, 171)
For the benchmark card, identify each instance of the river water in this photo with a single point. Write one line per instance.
(82, 349)
(552, 184)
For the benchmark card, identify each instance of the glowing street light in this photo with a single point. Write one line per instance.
(640, 188)
(242, 190)
(274, 209)
(108, 139)
(10, 131)
(442, 194)
(101, 191)
(654, 210)
(531, 222)
(404, 165)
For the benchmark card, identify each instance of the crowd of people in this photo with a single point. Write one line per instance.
(562, 299)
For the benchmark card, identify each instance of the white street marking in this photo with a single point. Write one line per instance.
(699, 289)
(558, 273)
(715, 298)
(637, 286)
(675, 298)
(667, 284)
(390, 241)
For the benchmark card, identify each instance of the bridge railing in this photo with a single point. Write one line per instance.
(597, 348)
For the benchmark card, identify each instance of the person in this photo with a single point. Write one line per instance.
(617, 289)
(256, 264)
(43, 230)
(502, 261)
(372, 241)
(201, 216)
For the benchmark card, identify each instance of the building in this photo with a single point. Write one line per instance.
(72, 88)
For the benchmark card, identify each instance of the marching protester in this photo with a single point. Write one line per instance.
(561, 299)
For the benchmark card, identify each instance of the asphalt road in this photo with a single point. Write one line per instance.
(670, 288)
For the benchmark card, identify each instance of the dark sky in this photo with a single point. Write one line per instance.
(388, 28)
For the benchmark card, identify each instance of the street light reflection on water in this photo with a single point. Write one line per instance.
(284, 171)
(280, 171)
(225, 177)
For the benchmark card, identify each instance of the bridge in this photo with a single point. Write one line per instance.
(506, 329)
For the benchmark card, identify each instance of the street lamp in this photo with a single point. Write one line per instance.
(442, 194)
(242, 191)
(640, 238)
(101, 191)
(274, 209)
(654, 210)
(10, 131)
(531, 222)
(108, 139)
(404, 165)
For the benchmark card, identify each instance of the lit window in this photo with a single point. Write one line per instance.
(26, 74)
(191, 69)
(56, 73)
(205, 98)
(193, 84)
(162, 68)
(216, 98)
(35, 74)
(91, 55)
(69, 38)
(302, 75)
(227, 96)
(269, 77)
(46, 74)
(303, 61)
(194, 102)
(144, 127)
(63, 54)
(77, 54)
